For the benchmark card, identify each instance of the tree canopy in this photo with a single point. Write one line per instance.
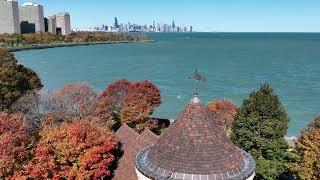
(15, 80)
(128, 102)
(76, 150)
(225, 112)
(14, 142)
(307, 149)
(259, 128)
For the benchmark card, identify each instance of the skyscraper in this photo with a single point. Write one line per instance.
(116, 23)
(31, 18)
(63, 23)
(52, 28)
(173, 24)
(9, 17)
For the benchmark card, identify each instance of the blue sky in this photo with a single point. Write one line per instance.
(203, 15)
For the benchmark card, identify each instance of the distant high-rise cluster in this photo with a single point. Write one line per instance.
(29, 18)
(133, 27)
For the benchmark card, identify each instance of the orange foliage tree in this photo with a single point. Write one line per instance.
(14, 142)
(307, 149)
(225, 112)
(128, 102)
(76, 150)
(139, 104)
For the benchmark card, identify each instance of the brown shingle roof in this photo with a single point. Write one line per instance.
(132, 143)
(194, 146)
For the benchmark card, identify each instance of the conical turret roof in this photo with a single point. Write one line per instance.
(195, 147)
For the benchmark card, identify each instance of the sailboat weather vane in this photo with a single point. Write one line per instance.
(197, 77)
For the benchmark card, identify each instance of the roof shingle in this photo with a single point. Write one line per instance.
(194, 145)
(132, 142)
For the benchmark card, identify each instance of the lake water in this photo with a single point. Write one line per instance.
(234, 63)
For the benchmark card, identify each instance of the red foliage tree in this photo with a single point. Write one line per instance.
(140, 102)
(110, 102)
(14, 141)
(128, 102)
(116, 92)
(225, 112)
(76, 150)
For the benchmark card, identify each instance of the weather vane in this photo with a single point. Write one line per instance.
(197, 77)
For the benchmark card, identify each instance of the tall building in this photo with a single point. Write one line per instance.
(116, 23)
(9, 17)
(31, 18)
(191, 28)
(63, 24)
(194, 147)
(173, 24)
(52, 25)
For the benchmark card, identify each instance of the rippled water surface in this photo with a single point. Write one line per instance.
(234, 63)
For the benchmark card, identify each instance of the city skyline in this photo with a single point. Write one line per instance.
(119, 26)
(203, 15)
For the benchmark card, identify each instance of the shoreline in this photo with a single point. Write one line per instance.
(57, 45)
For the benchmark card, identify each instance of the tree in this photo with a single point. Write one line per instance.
(128, 102)
(307, 149)
(76, 150)
(14, 142)
(73, 100)
(15, 80)
(225, 112)
(35, 105)
(139, 104)
(259, 128)
(116, 92)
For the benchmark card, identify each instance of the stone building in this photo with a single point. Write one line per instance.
(52, 28)
(31, 18)
(194, 148)
(63, 26)
(9, 17)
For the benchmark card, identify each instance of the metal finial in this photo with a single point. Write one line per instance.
(197, 77)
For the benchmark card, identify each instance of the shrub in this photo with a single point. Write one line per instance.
(259, 128)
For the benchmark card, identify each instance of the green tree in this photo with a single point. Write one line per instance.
(259, 128)
(307, 149)
(15, 80)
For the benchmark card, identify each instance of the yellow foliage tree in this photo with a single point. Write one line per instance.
(307, 148)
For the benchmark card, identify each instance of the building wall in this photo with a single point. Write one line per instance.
(9, 17)
(52, 25)
(63, 22)
(141, 176)
(33, 14)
